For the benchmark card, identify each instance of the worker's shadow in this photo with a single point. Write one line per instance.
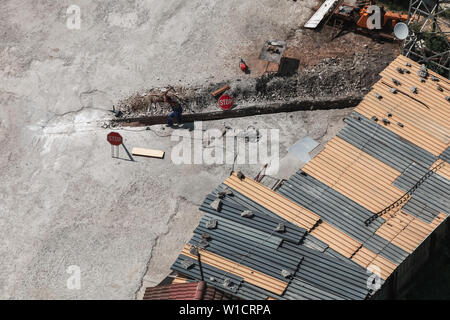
(187, 126)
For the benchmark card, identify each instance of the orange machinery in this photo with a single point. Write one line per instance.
(388, 19)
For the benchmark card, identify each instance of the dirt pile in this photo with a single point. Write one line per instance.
(331, 79)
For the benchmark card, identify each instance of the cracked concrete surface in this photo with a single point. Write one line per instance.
(63, 200)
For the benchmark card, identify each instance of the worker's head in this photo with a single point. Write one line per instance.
(169, 100)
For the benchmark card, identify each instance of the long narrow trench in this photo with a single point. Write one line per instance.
(297, 105)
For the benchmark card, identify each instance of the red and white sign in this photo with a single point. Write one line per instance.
(226, 102)
(114, 138)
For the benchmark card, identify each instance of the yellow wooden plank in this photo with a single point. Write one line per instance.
(148, 153)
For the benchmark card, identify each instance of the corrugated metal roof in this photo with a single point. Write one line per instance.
(265, 251)
(185, 291)
(388, 145)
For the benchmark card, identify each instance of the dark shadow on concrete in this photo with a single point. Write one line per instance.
(188, 125)
(128, 153)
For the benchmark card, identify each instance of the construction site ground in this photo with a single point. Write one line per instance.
(64, 201)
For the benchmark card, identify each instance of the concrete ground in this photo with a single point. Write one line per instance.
(63, 200)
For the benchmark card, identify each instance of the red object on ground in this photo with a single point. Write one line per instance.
(243, 67)
(114, 138)
(225, 102)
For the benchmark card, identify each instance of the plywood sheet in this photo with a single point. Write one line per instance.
(148, 153)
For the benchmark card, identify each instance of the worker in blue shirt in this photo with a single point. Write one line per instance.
(177, 111)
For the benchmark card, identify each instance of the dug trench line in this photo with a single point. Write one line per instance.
(295, 105)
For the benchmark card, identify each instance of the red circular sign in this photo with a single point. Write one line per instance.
(225, 102)
(114, 138)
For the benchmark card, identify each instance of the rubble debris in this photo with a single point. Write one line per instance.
(225, 192)
(379, 96)
(374, 118)
(400, 124)
(193, 250)
(211, 224)
(216, 205)
(206, 236)
(447, 98)
(240, 175)
(395, 81)
(203, 244)
(408, 64)
(436, 79)
(393, 90)
(280, 227)
(400, 70)
(423, 72)
(389, 114)
(286, 274)
(440, 88)
(413, 89)
(247, 214)
(386, 121)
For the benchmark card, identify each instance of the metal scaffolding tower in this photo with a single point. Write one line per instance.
(429, 31)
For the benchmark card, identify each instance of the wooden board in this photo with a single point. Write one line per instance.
(220, 91)
(148, 153)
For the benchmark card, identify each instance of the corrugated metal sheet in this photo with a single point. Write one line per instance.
(420, 210)
(326, 246)
(186, 291)
(446, 154)
(355, 174)
(252, 243)
(327, 202)
(274, 202)
(378, 141)
(423, 115)
(433, 192)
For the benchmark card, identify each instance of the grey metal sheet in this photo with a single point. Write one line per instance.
(330, 274)
(314, 195)
(261, 221)
(300, 290)
(333, 206)
(420, 210)
(446, 155)
(434, 192)
(213, 276)
(314, 243)
(383, 144)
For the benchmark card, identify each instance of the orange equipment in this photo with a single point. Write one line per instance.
(388, 19)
